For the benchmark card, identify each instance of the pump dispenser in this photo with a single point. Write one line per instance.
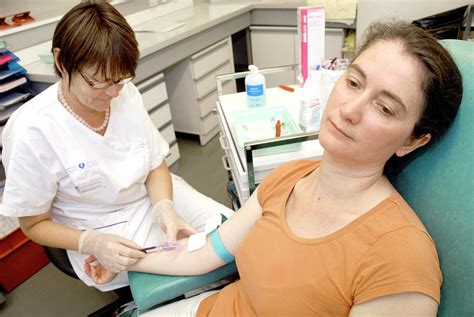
(255, 88)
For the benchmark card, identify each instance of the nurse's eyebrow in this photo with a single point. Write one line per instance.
(385, 92)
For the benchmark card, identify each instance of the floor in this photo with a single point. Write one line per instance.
(51, 293)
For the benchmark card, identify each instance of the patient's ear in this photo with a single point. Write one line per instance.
(413, 144)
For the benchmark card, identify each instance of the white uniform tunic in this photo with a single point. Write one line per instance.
(88, 181)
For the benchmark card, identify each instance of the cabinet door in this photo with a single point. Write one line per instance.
(279, 46)
(334, 43)
(273, 47)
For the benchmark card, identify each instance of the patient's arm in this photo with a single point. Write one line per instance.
(403, 304)
(204, 260)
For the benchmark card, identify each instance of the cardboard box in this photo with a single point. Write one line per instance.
(20, 258)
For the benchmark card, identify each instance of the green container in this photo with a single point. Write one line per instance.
(259, 124)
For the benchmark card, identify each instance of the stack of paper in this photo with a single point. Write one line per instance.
(12, 78)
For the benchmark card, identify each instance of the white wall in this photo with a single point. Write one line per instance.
(371, 10)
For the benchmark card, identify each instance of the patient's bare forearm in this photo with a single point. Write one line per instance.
(182, 262)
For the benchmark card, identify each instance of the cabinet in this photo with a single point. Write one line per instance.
(155, 100)
(192, 90)
(274, 46)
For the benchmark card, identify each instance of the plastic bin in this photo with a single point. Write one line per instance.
(259, 124)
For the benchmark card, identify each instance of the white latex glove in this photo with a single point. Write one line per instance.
(113, 252)
(174, 226)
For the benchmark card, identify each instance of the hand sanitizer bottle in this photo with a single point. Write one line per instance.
(255, 88)
(310, 106)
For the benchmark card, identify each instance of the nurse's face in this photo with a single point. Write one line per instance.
(374, 107)
(83, 88)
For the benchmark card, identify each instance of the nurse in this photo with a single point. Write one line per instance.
(84, 163)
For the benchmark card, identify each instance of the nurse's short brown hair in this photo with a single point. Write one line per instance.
(94, 34)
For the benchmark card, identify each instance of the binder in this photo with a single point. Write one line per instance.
(4, 87)
(11, 69)
(7, 57)
(5, 114)
(12, 98)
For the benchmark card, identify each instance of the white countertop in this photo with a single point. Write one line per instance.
(175, 21)
(192, 18)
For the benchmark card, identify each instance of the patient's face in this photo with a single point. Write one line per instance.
(374, 106)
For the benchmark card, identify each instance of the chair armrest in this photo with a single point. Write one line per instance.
(150, 290)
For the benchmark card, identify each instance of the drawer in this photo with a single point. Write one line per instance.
(209, 102)
(173, 154)
(206, 61)
(168, 133)
(207, 84)
(208, 123)
(154, 96)
(242, 192)
(161, 116)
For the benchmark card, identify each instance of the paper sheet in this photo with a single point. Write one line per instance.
(343, 11)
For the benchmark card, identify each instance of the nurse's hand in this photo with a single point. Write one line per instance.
(113, 252)
(98, 273)
(174, 226)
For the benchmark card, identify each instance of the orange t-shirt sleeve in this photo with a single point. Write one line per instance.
(277, 176)
(268, 182)
(401, 261)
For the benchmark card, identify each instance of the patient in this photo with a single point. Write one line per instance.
(334, 237)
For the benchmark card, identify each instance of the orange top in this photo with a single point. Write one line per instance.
(385, 251)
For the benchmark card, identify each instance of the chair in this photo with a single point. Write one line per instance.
(439, 185)
(61, 261)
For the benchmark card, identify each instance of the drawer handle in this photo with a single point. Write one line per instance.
(223, 142)
(225, 162)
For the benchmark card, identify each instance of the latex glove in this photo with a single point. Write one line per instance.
(174, 226)
(97, 272)
(113, 252)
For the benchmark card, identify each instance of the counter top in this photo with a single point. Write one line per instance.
(188, 18)
(160, 27)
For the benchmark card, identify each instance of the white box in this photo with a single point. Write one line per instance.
(311, 35)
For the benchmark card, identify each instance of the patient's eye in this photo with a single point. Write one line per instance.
(352, 83)
(385, 110)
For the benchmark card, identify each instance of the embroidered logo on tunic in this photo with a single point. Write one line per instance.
(82, 166)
